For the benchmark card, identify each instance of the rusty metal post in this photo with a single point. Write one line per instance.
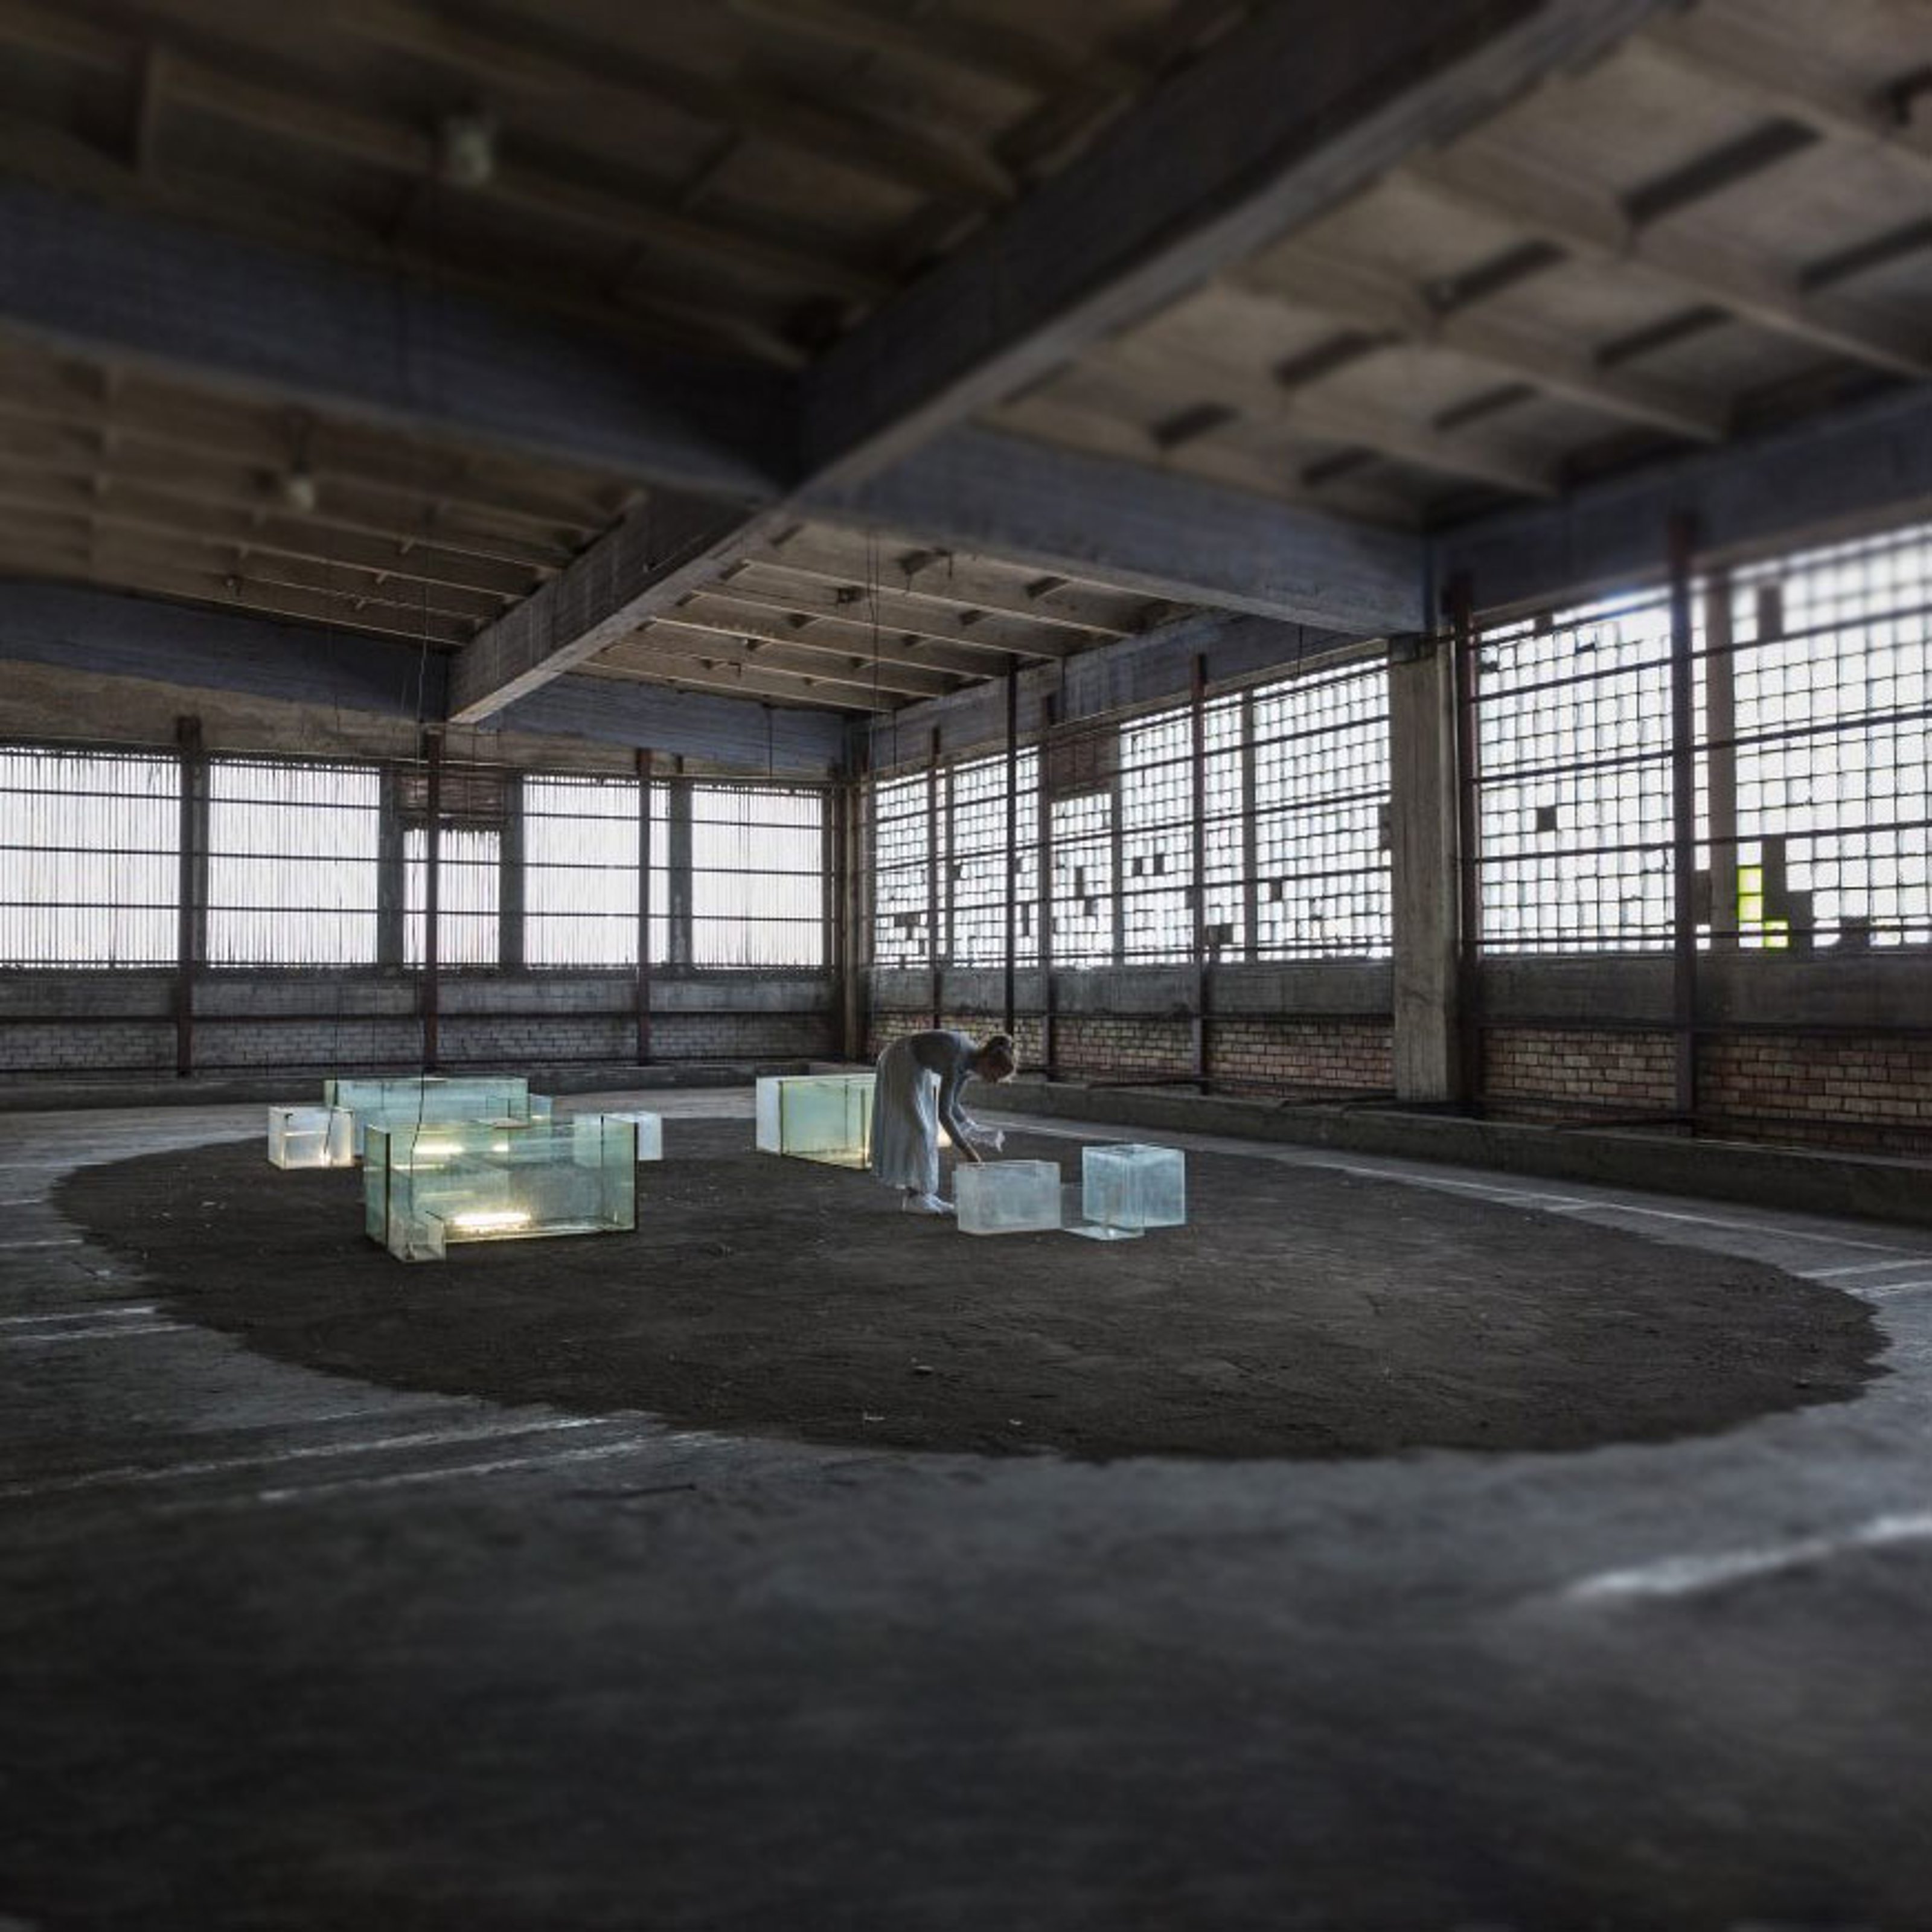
(191, 887)
(1011, 868)
(1203, 1022)
(641, 992)
(1682, 540)
(431, 993)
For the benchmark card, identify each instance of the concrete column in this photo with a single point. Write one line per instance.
(1423, 856)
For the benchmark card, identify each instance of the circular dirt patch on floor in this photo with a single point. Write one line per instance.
(1304, 1312)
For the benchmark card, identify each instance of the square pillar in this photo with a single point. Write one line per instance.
(1424, 858)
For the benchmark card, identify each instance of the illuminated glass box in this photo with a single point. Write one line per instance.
(1131, 1186)
(1008, 1197)
(425, 1187)
(428, 1099)
(650, 1132)
(826, 1117)
(310, 1137)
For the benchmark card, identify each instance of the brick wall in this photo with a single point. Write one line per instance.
(1249, 1052)
(122, 1023)
(1871, 1091)
(1546, 1070)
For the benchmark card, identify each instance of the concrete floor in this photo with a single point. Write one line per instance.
(283, 1650)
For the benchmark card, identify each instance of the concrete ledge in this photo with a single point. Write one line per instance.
(1869, 1186)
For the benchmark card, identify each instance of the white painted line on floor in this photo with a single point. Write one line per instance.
(117, 1333)
(133, 1474)
(1884, 1291)
(63, 1241)
(1867, 1267)
(111, 1311)
(1685, 1576)
(358, 1484)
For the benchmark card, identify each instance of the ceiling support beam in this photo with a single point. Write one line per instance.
(1861, 466)
(84, 280)
(100, 634)
(1282, 120)
(1164, 535)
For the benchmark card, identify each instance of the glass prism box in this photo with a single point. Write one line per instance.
(1135, 1186)
(824, 1117)
(1008, 1197)
(424, 1187)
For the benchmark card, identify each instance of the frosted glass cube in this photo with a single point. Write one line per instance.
(424, 1099)
(310, 1137)
(650, 1131)
(1008, 1197)
(825, 1117)
(1073, 1218)
(426, 1186)
(1131, 1186)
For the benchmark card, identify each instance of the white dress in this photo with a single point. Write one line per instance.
(916, 1091)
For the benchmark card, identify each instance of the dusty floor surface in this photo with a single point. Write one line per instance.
(1300, 1313)
(289, 1648)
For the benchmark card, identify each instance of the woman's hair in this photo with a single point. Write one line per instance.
(999, 1047)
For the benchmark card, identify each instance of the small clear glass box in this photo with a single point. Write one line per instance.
(424, 1187)
(1008, 1197)
(822, 1116)
(308, 1136)
(423, 1099)
(1135, 1186)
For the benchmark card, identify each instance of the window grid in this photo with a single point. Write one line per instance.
(1829, 668)
(901, 938)
(468, 874)
(293, 863)
(1322, 884)
(580, 873)
(757, 886)
(977, 887)
(89, 858)
(1573, 718)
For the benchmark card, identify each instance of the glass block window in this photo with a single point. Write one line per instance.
(900, 870)
(89, 858)
(1831, 650)
(1321, 759)
(581, 841)
(1574, 730)
(469, 869)
(293, 863)
(757, 886)
(976, 887)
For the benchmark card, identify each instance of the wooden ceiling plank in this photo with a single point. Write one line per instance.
(1695, 259)
(717, 614)
(663, 638)
(422, 551)
(1002, 54)
(975, 583)
(1371, 299)
(117, 509)
(777, 590)
(617, 87)
(196, 82)
(894, 670)
(1250, 394)
(689, 675)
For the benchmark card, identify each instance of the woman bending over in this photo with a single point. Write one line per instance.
(916, 1093)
